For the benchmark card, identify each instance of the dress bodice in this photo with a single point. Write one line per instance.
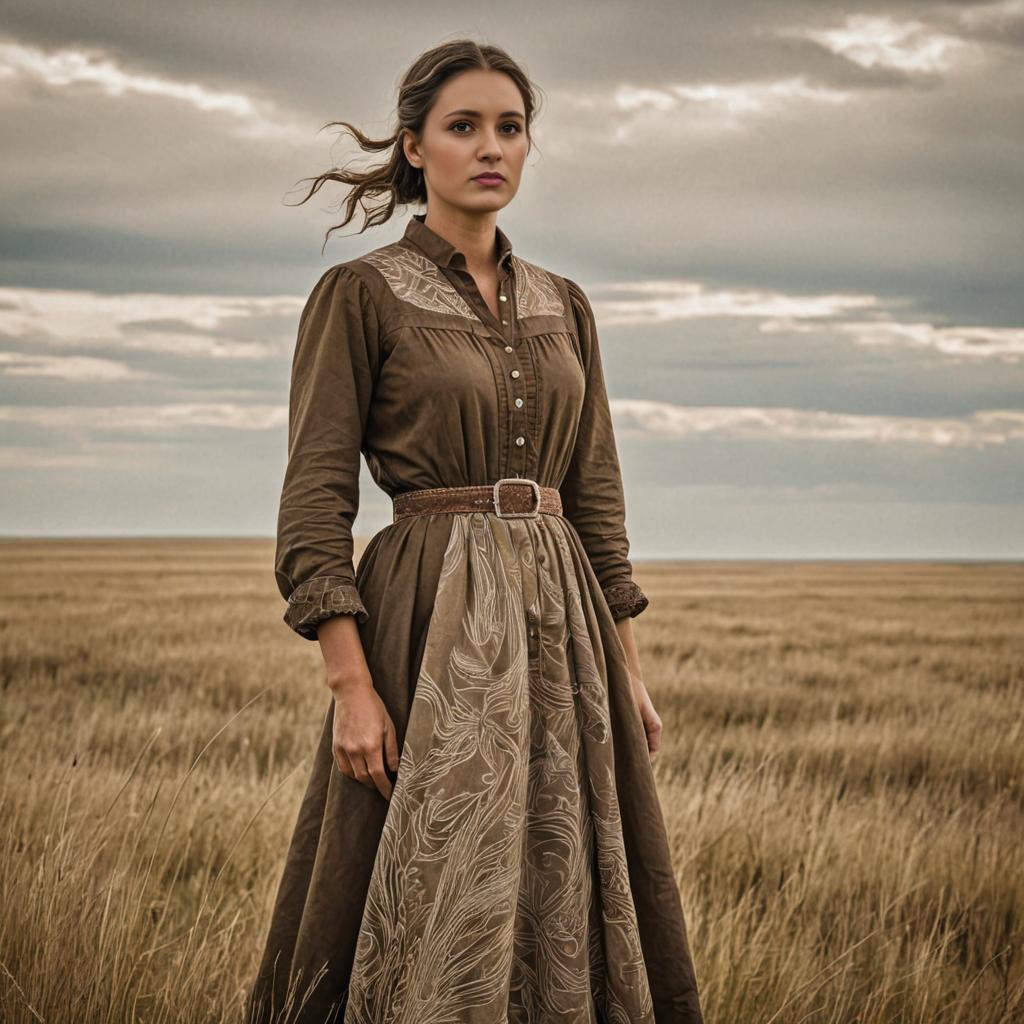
(398, 358)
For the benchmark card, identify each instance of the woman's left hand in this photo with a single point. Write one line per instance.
(650, 717)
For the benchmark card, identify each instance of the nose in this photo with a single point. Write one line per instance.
(489, 144)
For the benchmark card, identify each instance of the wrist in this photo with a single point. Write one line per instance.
(638, 684)
(343, 682)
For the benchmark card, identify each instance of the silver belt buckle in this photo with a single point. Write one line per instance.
(532, 513)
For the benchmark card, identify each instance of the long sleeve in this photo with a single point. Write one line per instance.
(334, 367)
(592, 494)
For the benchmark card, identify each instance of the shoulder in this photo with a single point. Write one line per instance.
(534, 281)
(341, 304)
(339, 277)
(388, 260)
(365, 271)
(401, 278)
(399, 271)
(350, 284)
(349, 274)
(578, 298)
(578, 310)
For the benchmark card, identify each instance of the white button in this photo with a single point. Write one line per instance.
(515, 373)
(520, 440)
(519, 403)
(504, 321)
(503, 299)
(508, 348)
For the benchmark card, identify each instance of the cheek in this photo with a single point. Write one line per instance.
(515, 154)
(512, 157)
(449, 157)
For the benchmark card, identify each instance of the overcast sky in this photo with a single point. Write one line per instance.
(801, 225)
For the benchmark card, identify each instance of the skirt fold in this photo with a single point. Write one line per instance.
(500, 884)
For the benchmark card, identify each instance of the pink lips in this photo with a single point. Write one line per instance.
(489, 179)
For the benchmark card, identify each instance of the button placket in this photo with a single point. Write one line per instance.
(506, 337)
(520, 439)
(506, 304)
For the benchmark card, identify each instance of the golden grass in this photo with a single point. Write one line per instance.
(841, 777)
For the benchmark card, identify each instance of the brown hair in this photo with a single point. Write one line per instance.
(396, 179)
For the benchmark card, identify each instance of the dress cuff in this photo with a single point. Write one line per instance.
(321, 598)
(625, 600)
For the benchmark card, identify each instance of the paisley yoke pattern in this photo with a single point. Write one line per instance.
(416, 280)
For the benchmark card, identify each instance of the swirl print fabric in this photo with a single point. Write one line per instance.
(500, 890)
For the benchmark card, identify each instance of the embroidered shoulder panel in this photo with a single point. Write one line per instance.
(417, 280)
(536, 292)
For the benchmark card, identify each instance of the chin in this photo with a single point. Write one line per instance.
(490, 200)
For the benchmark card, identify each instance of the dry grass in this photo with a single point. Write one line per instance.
(842, 780)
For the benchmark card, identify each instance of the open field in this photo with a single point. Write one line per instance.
(841, 776)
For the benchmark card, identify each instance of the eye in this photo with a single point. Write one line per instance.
(516, 130)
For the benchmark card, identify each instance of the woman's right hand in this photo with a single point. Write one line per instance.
(364, 735)
(363, 732)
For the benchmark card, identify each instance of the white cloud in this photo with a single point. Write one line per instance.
(879, 41)
(254, 328)
(200, 326)
(76, 368)
(733, 98)
(78, 69)
(959, 342)
(159, 419)
(695, 109)
(676, 110)
(774, 424)
(664, 301)
(637, 416)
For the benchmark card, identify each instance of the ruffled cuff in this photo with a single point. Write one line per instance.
(322, 598)
(625, 600)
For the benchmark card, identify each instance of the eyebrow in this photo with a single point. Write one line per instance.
(476, 113)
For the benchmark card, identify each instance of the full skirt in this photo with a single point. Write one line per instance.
(520, 872)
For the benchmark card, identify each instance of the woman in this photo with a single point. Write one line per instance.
(481, 838)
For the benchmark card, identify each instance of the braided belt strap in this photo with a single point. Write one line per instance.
(511, 497)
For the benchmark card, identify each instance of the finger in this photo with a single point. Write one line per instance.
(375, 763)
(654, 739)
(391, 745)
(344, 765)
(362, 774)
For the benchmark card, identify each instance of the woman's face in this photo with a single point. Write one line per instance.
(476, 125)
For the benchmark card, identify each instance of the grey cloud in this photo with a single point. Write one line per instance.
(900, 184)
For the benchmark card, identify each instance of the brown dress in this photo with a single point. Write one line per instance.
(520, 872)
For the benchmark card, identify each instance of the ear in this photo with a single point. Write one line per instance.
(411, 148)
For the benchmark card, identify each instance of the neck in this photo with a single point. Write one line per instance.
(471, 232)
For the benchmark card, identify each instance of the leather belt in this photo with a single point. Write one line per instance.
(511, 497)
